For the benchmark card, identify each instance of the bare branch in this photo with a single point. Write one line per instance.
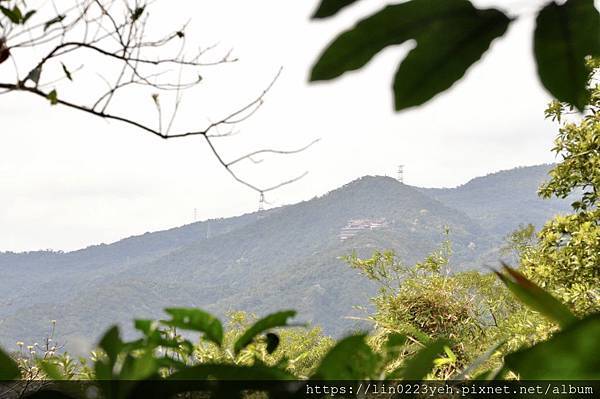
(250, 155)
(112, 33)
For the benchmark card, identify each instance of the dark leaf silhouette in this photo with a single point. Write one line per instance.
(328, 8)
(564, 35)
(451, 35)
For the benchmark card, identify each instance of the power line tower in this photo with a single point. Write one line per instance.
(261, 202)
(400, 173)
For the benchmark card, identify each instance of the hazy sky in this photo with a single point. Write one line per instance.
(68, 180)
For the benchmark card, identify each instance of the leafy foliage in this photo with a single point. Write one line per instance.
(463, 312)
(566, 259)
(536, 298)
(451, 35)
(196, 320)
(274, 320)
(351, 358)
(571, 354)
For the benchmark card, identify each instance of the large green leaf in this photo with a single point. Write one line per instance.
(196, 320)
(564, 35)
(394, 345)
(571, 354)
(327, 8)
(350, 359)
(443, 55)
(421, 364)
(536, 298)
(139, 367)
(451, 35)
(112, 345)
(52, 370)
(8, 368)
(279, 319)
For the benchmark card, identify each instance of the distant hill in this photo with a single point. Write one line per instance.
(502, 200)
(284, 257)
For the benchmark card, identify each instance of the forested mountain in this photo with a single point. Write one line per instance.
(284, 257)
(502, 200)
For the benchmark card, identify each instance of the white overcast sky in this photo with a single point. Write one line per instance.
(68, 180)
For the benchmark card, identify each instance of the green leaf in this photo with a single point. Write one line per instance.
(53, 21)
(103, 371)
(13, 15)
(394, 344)
(66, 71)
(9, 370)
(571, 354)
(155, 337)
(35, 74)
(53, 97)
(28, 15)
(328, 8)
(421, 364)
(137, 13)
(449, 359)
(145, 326)
(52, 370)
(564, 35)
(272, 342)
(350, 359)
(443, 55)
(475, 364)
(278, 319)
(139, 368)
(196, 320)
(451, 35)
(111, 344)
(231, 372)
(536, 298)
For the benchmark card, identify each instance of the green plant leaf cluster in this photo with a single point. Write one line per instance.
(566, 258)
(16, 15)
(121, 367)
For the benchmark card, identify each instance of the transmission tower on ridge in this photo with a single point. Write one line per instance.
(401, 173)
(261, 202)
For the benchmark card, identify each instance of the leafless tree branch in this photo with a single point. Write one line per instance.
(115, 32)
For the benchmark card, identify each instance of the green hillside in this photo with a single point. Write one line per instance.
(263, 262)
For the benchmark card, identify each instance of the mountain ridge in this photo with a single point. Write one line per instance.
(261, 262)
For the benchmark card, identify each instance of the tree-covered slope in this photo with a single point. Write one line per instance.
(503, 200)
